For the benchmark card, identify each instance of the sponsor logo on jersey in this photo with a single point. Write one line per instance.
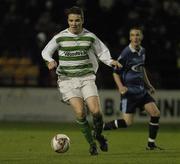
(77, 53)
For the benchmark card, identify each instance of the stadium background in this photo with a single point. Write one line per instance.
(26, 27)
(30, 110)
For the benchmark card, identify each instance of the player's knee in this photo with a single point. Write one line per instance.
(80, 114)
(158, 113)
(155, 113)
(95, 111)
(128, 122)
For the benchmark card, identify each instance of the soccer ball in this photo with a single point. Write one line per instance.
(60, 143)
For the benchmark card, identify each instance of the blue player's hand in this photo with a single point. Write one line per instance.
(123, 90)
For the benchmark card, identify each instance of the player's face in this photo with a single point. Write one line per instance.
(136, 38)
(75, 22)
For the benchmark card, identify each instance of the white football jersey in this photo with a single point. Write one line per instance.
(77, 53)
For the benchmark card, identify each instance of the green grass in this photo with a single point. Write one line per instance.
(29, 143)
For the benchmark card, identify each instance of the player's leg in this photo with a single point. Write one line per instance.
(127, 107)
(125, 121)
(154, 113)
(93, 104)
(90, 94)
(78, 107)
(71, 92)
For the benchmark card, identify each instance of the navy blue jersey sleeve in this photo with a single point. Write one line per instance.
(123, 57)
(123, 60)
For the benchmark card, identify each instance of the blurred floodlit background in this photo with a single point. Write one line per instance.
(27, 26)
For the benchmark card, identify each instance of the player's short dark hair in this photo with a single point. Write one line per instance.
(136, 28)
(75, 10)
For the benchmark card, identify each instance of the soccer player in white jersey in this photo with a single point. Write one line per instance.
(78, 51)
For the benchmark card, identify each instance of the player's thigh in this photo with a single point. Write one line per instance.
(93, 104)
(68, 90)
(78, 106)
(129, 118)
(89, 89)
(152, 109)
(90, 94)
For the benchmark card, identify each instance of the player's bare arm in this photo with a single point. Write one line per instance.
(147, 82)
(122, 89)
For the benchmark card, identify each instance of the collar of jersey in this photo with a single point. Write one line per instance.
(133, 50)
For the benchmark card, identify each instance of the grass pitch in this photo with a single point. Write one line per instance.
(29, 143)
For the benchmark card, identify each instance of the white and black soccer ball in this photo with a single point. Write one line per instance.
(60, 143)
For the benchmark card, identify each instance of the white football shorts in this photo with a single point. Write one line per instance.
(82, 87)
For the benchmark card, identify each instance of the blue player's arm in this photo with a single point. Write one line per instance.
(147, 82)
(121, 88)
(117, 73)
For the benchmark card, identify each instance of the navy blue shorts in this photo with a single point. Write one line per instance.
(129, 104)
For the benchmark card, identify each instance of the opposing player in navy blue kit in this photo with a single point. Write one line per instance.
(134, 86)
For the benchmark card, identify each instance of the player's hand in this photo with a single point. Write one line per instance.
(116, 64)
(52, 65)
(123, 90)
